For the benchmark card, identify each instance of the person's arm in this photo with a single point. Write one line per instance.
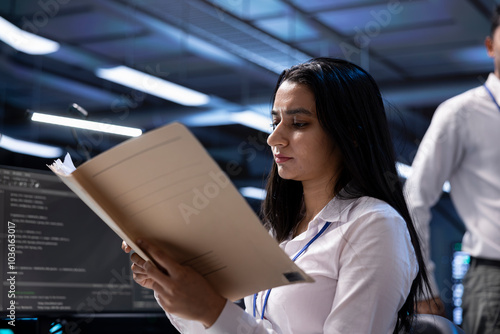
(189, 301)
(376, 269)
(438, 156)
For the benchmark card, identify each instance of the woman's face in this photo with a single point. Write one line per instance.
(301, 148)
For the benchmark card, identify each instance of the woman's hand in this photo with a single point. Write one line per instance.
(179, 289)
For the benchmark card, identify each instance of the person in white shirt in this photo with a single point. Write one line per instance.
(335, 206)
(461, 145)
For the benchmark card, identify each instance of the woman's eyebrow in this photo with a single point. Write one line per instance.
(295, 111)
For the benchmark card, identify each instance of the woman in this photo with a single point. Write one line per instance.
(336, 207)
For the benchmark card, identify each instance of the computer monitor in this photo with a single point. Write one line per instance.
(459, 266)
(57, 256)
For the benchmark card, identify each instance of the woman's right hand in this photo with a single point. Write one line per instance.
(179, 289)
(139, 275)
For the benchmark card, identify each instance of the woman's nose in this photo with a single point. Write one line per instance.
(277, 137)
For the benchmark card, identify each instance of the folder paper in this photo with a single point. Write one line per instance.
(165, 188)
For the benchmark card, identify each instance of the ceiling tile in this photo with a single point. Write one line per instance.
(89, 26)
(442, 62)
(251, 9)
(322, 5)
(289, 28)
(374, 20)
(138, 48)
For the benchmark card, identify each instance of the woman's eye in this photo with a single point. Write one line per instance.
(299, 125)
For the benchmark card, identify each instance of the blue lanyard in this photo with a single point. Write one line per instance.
(294, 258)
(492, 97)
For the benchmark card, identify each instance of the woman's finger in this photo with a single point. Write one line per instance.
(143, 280)
(169, 265)
(137, 269)
(182, 291)
(125, 247)
(158, 275)
(137, 260)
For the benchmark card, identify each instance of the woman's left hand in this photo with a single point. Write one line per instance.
(179, 289)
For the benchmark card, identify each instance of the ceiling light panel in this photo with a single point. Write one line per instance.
(24, 41)
(153, 85)
(87, 125)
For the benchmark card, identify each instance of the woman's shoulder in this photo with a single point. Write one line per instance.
(372, 220)
(351, 212)
(366, 205)
(374, 216)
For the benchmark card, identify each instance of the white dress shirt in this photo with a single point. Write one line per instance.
(461, 145)
(363, 266)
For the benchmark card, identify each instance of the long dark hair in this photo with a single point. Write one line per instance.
(495, 20)
(350, 109)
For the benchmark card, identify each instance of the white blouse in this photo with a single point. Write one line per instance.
(363, 266)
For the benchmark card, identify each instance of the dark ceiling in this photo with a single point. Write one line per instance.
(421, 52)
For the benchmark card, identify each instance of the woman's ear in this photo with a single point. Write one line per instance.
(488, 42)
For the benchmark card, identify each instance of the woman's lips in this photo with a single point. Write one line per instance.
(280, 158)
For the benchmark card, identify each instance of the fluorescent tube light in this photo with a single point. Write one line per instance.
(147, 83)
(88, 125)
(253, 192)
(253, 120)
(26, 147)
(24, 41)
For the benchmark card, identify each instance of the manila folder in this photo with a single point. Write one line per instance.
(163, 187)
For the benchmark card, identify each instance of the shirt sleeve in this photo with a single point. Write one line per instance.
(437, 157)
(233, 319)
(377, 266)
